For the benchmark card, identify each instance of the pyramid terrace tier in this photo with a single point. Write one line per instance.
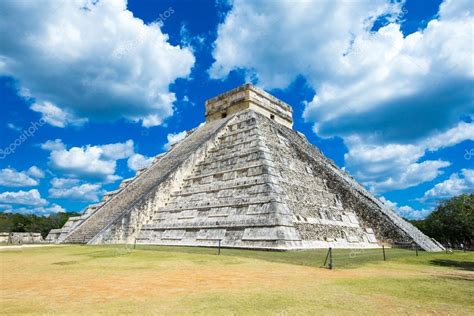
(222, 183)
(261, 214)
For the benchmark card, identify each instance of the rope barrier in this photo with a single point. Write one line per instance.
(346, 257)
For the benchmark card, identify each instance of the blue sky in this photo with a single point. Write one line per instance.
(92, 90)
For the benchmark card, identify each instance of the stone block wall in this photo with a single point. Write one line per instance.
(21, 238)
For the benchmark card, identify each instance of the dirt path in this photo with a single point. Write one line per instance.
(13, 247)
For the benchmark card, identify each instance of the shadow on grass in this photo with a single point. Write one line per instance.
(65, 263)
(462, 265)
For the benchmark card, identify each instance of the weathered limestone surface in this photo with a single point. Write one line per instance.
(249, 97)
(136, 193)
(53, 235)
(21, 238)
(248, 180)
(230, 195)
(387, 224)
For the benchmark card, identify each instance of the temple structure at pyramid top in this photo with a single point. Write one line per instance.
(249, 97)
(243, 179)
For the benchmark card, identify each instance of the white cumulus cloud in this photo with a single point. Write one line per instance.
(391, 166)
(95, 162)
(118, 151)
(455, 185)
(276, 41)
(84, 59)
(55, 116)
(9, 177)
(407, 211)
(35, 172)
(53, 209)
(74, 189)
(364, 80)
(31, 198)
(411, 213)
(174, 138)
(53, 145)
(138, 161)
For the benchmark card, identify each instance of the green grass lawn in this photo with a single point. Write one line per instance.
(185, 280)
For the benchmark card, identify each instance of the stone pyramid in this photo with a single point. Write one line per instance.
(247, 179)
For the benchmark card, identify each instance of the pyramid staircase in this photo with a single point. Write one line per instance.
(134, 190)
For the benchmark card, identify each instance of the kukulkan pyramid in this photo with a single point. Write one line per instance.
(247, 179)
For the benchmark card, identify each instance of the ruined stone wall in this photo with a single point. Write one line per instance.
(4, 238)
(21, 238)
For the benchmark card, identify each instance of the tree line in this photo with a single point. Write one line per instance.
(13, 222)
(452, 222)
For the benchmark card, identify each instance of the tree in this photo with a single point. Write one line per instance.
(12, 222)
(452, 221)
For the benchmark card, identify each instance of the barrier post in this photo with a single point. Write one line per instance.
(330, 258)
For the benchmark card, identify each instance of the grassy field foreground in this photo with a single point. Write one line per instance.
(152, 280)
